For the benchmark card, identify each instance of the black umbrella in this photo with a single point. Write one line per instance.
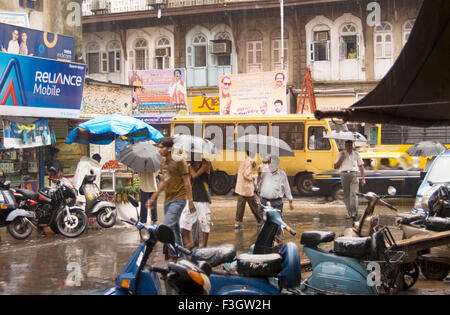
(426, 148)
(142, 157)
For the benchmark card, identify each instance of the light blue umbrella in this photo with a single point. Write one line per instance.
(105, 129)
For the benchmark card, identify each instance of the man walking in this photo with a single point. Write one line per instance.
(273, 186)
(148, 187)
(245, 188)
(348, 162)
(177, 187)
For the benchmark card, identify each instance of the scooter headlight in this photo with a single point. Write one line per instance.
(418, 204)
(145, 234)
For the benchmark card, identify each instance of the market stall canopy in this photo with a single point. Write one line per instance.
(105, 129)
(416, 91)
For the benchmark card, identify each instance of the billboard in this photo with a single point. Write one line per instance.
(253, 94)
(35, 87)
(29, 42)
(101, 100)
(160, 93)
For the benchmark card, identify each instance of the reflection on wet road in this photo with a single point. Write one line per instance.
(89, 264)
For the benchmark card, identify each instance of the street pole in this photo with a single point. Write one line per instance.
(282, 32)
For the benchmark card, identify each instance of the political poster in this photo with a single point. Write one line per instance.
(253, 94)
(26, 133)
(35, 87)
(29, 42)
(159, 93)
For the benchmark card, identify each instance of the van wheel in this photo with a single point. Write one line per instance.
(220, 183)
(434, 270)
(305, 184)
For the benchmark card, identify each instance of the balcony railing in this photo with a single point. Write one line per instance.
(91, 7)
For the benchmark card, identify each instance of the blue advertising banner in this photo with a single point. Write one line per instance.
(29, 42)
(26, 134)
(35, 87)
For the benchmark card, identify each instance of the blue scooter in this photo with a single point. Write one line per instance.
(260, 272)
(356, 265)
(138, 278)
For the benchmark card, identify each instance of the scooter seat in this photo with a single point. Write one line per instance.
(28, 193)
(267, 265)
(214, 256)
(355, 247)
(314, 238)
(437, 224)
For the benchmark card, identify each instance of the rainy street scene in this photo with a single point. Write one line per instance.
(250, 148)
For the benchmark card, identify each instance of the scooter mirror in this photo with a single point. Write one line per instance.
(165, 234)
(52, 171)
(133, 201)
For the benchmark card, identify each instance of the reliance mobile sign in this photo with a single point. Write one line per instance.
(36, 87)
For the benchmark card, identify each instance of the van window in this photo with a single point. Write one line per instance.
(316, 141)
(440, 171)
(292, 133)
(220, 134)
(185, 129)
(250, 129)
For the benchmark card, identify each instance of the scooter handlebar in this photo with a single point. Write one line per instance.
(183, 250)
(290, 230)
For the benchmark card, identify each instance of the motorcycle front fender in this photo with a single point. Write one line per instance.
(19, 213)
(101, 205)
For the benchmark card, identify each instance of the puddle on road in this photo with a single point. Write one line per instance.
(45, 265)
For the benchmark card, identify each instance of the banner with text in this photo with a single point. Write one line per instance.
(253, 94)
(101, 100)
(35, 87)
(26, 133)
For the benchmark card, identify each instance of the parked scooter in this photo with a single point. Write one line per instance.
(15, 219)
(347, 268)
(138, 278)
(95, 206)
(261, 271)
(51, 209)
(434, 262)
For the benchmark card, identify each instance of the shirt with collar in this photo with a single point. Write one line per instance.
(351, 161)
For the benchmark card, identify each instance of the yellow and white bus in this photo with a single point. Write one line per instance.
(304, 134)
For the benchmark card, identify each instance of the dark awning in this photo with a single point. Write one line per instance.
(416, 91)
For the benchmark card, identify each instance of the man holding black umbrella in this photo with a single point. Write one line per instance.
(348, 162)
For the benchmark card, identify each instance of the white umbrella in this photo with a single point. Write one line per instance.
(192, 144)
(345, 135)
(264, 145)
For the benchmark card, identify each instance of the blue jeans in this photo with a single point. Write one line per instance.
(172, 214)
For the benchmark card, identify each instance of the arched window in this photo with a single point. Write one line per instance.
(276, 49)
(383, 41)
(349, 42)
(93, 57)
(114, 50)
(141, 55)
(162, 53)
(254, 51)
(407, 28)
(320, 46)
(197, 53)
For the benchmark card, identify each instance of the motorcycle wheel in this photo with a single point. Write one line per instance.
(434, 270)
(72, 225)
(102, 219)
(410, 272)
(20, 229)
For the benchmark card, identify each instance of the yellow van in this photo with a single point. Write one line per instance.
(303, 133)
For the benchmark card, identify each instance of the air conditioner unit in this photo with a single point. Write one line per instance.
(222, 47)
(156, 2)
(100, 5)
(163, 52)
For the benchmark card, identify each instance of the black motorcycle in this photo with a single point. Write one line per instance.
(51, 208)
(17, 221)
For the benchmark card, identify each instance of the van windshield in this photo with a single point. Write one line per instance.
(439, 172)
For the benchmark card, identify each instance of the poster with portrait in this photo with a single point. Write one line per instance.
(159, 93)
(253, 94)
(34, 43)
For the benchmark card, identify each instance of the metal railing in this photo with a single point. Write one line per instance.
(91, 7)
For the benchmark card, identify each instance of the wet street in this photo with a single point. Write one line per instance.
(48, 264)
